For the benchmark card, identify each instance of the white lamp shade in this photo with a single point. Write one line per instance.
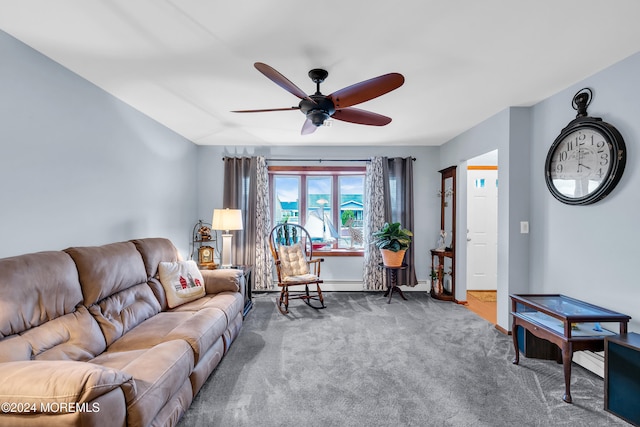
(227, 219)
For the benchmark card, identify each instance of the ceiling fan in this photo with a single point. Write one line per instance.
(318, 107)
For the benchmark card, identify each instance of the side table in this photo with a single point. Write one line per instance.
(246, 271)
(393, 286)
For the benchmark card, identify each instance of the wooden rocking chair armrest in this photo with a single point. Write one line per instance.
(314, 265)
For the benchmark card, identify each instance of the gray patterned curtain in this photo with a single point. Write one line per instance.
(374, 218)
(246, 187)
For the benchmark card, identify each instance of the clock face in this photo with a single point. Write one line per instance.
(585, 162)
(580, 163)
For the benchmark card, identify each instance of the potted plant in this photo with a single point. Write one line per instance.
(393, 241)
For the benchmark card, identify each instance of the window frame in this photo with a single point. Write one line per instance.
(305, 171)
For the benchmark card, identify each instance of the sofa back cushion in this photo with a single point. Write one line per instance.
(114, 284)
(155, 250)
(108, 269)
(40, 312)
(124, 310)
(36, 288)
(74, 336)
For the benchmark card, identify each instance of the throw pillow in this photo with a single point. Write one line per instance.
(182, 282)
(293, 261)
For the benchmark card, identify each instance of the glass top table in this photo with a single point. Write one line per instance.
(571, 324)
(568, 307)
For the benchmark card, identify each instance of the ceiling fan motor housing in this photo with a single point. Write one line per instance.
(317, 111)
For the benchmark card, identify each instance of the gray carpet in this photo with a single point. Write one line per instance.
(363, 362)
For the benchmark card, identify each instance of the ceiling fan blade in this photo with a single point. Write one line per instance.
(308, 127)
(266, 110)
(366, 90)
(273, 75)
(362, 117)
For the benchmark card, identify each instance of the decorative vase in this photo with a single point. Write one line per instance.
(391, 258)
(447, 285)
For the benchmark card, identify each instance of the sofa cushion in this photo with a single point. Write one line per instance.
(200, 329)
(155, 250)
(158, 372)
(124, 310)
(108, 269)
(182, 282)
(231, 303)
(36, 288)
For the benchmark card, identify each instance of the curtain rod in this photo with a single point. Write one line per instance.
(318, 160)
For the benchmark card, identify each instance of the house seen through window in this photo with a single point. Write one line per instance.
(327, 201)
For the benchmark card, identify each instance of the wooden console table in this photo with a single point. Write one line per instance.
(571, 324)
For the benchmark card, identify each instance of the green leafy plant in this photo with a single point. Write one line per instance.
(392, 237)
(346, 216)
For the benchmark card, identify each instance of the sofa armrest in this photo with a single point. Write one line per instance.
(226, 279)
(58, 385)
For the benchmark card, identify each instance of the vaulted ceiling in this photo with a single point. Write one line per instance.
(188, 63)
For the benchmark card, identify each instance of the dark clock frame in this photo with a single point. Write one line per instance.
(613, 138)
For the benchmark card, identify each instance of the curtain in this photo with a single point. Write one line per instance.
(246, 187)
(399, 208)
(388, 198)
(374, 219)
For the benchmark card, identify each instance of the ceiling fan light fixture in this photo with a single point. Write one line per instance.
(317, 117)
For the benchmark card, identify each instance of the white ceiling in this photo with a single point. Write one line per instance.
(188, 63)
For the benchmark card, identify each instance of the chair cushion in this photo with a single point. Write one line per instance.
(306, 278)
(182, 282)
(293, 261)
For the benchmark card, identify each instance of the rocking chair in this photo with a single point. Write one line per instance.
(292, 253)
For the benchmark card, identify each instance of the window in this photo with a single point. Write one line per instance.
(327, 201)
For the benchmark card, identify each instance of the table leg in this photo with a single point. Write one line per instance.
(514, 336)
(392, 285)
(567, 355)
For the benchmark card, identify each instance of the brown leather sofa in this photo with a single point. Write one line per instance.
(87, 338)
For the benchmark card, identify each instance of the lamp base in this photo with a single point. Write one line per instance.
(227, 256)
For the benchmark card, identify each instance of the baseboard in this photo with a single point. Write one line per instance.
(355, 286)
(503, 330)
(591, 361)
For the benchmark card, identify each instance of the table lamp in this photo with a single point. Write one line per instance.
(227, 219)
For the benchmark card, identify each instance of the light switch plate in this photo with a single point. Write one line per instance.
(524, 227)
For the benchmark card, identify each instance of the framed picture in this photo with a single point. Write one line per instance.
(205, 255)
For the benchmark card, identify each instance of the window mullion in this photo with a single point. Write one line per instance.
(336, 207)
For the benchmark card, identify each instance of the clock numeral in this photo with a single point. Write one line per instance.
(563, 155)
(604, 159)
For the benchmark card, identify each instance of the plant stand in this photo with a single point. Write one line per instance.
(393, 286)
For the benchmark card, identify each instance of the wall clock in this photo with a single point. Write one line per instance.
(586, 161)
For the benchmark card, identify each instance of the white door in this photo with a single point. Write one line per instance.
(482, 234)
